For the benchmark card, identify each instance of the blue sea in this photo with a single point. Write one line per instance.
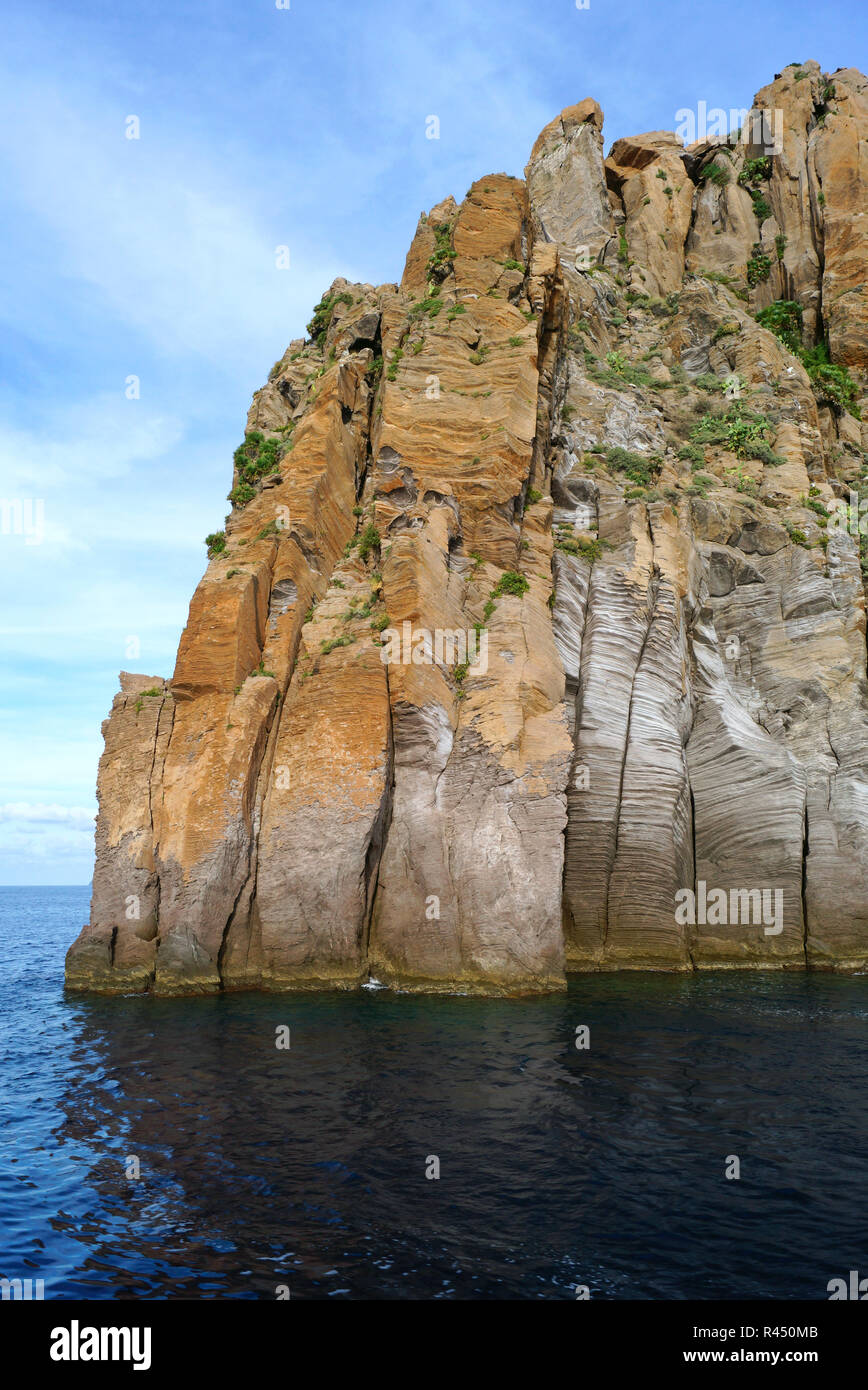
(161, 1149)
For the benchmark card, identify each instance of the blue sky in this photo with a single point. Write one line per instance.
(259, 127)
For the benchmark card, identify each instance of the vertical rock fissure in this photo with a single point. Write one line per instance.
(805, 853)
(575, 762)
(168, 703)
(566, 908)
(379, 836)
(221, 952)
(653, 588)
(689, 936)
(382, 824)
(262, 775)
(556, 404)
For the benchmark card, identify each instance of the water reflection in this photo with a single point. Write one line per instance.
(606, 1167)
(307, 1167)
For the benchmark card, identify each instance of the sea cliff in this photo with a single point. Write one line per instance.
(541, 603)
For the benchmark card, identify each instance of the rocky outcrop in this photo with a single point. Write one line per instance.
(535, 639)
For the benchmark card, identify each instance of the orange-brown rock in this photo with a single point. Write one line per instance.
(649, 174)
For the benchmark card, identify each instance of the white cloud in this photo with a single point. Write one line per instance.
(63, 471)
(79, 443)
(45, 842)
(75, 817)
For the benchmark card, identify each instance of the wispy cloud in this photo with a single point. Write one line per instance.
(76, 817)
(45, 841)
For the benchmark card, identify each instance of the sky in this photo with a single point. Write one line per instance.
(144, 299)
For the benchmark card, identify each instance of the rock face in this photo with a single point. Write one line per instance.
(535, 640)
